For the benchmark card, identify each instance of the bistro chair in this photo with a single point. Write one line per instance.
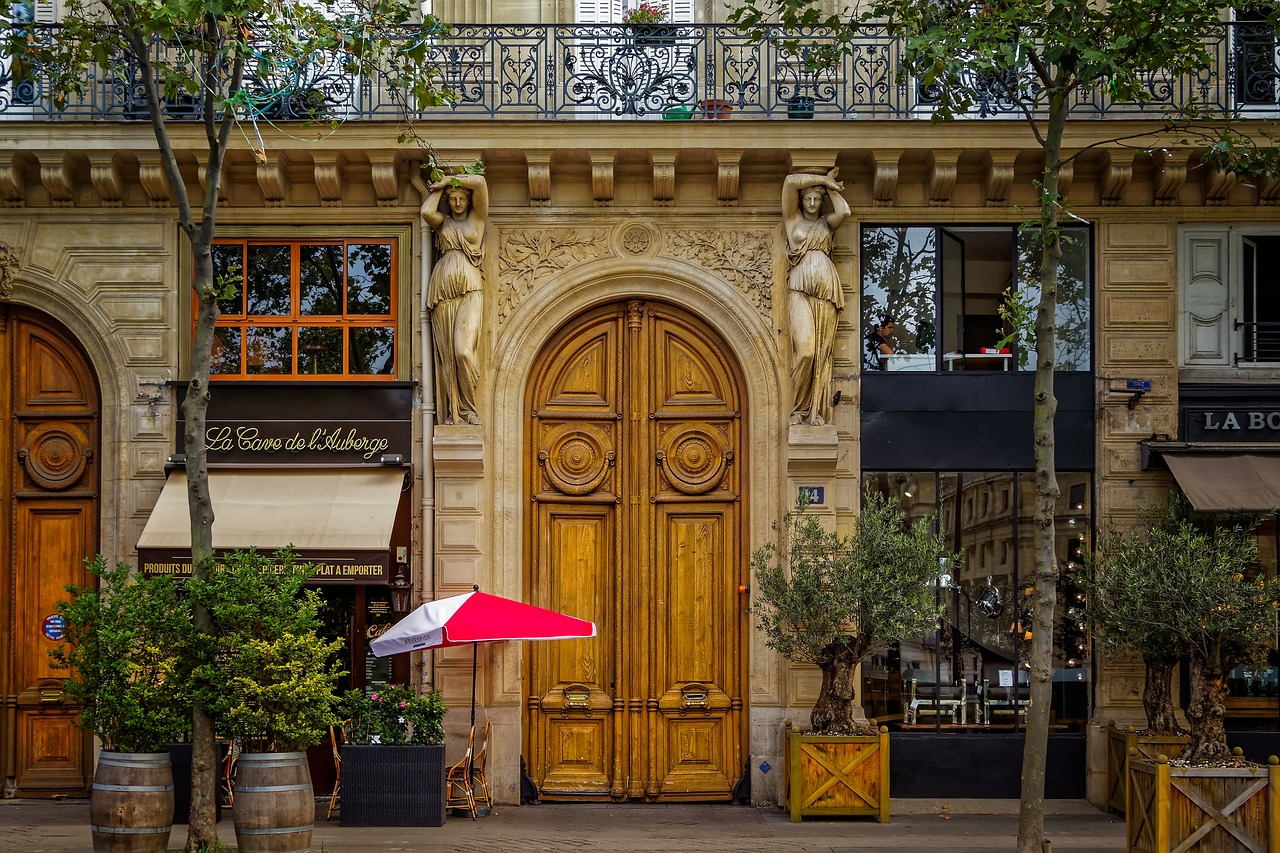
(480, 784)
(337, 737)
(459, 792)
(229, 773)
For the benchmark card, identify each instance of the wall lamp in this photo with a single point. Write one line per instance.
(1134, 387)
(391, 459)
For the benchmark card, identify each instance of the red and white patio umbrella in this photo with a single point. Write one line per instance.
(477, 617)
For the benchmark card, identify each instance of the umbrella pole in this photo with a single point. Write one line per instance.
(475, 653)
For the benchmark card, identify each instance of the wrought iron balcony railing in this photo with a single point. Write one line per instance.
(667, 71)
(1261, 343)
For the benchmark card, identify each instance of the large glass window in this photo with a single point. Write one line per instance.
(971, 673)
(305, 309)
(943, 288)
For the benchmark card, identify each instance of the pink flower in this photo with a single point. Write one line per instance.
(375, 698)
(401, 704)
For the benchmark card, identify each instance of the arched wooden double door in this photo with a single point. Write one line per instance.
(634, 475)
(49, 437)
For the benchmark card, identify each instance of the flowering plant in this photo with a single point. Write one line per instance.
(645, 13)
(394, 715)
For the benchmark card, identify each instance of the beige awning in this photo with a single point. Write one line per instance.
(1228, 482)
(350, 509)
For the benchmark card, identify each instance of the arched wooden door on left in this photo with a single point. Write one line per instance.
(634, 471)
(49, 407)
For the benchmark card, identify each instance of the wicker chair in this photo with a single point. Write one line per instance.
(337, 737)
(480, 784)
(459, 791)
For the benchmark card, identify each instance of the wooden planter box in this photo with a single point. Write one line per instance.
(392, 785)
(1119, 742)
(837, 775)
(1215, 809)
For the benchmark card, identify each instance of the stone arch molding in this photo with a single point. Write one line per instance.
(751, 340)
(532, 259)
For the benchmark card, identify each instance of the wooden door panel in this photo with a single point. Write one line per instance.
(57, 536)
(578, 758)
(633, 471)
(52, 749)
(50, 376)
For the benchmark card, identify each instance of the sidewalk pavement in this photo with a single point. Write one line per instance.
(960, 826)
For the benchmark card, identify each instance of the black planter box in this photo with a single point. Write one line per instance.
(392, 785)
(180, 757)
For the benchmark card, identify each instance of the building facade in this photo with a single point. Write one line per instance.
(632, 439)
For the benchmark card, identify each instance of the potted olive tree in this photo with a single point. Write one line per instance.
(829, 599)
(1123, 585)
(126, 646)
(269, 684)
(1222, 613)
(393, 771)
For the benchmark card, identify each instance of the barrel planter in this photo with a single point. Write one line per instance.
(1219, 809)
(1148, 746)
(275, 806)
(131, 803)
(385, 785)
(837, 775)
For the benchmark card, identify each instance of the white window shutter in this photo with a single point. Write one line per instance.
(589, 12)
(46, 11)
(681, 11)
(1205, 276)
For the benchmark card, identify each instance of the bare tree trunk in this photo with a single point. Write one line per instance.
(1157, 695)
(1036, 746)
(1207, 709)
(833, 712)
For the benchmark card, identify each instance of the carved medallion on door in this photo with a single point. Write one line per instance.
(633, 483)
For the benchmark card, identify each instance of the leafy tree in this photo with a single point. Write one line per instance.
(1037, 57)
(831, 599)
(1127, 599)
(237, 62)
(127, 645)
(265, 675)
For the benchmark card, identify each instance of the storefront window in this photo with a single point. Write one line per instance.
(972, 672)
(1253, 692)
(305, 309)
(944, 288)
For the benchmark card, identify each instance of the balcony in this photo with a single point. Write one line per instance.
(576, 72)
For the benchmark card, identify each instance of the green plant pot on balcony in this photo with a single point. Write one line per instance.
(680, 113)
(800, 107)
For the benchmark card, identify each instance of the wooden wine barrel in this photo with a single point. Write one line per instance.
(131, 804)
(275, 806)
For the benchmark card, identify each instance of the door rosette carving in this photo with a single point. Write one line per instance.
(694, 457)
(56, 456)
(576, 458)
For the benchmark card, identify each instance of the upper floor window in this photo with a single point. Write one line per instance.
(942, 288)
(306, 309)
(1230, 280)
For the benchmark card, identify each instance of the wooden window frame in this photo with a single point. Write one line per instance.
(295, 321)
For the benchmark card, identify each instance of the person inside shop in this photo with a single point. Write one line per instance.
(878, 344)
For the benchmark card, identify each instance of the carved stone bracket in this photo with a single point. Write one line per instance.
(664, 178)
(884, 186)
(1066, 174)
(728, 176)
(271, 180)
(155, 183)
(1269, 191)
(13, 183)
(1116, 178)
(942, 174)
(107, 177)
(1171, 174)
(539, 178)
(999, 178)
(602, 177)
(327, 171)
(57, 175)
(1218, 186)
(203, 171)
(386, 188)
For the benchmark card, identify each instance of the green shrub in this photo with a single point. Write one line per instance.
(127, 646)
(393, 715)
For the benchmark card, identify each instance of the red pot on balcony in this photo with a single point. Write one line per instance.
(716, 108)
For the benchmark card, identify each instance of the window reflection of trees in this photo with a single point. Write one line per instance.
(1073, 339)
(899, 280)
